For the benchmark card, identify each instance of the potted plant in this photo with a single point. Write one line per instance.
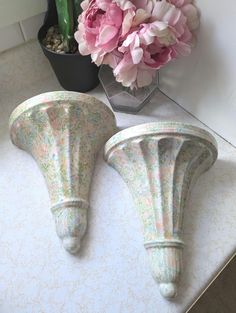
(56, 37)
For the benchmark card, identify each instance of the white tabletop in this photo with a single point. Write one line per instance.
(111, 273)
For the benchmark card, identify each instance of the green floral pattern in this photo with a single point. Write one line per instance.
(63, 131)
(160, 162)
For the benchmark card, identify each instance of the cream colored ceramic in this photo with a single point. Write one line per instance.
(64, 131)
(160, 163)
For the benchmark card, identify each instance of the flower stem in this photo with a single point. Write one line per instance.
(66, 22)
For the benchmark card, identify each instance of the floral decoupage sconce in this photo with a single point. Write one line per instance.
(160, 163)
(63, 131)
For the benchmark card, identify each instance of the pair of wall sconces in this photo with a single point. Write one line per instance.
(160, 162)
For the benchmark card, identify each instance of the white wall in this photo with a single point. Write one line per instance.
(12, 11)
(20, 21)
(205, 82)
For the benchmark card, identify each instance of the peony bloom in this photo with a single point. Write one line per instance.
(190, 11)
(136, 37)
(100, 27)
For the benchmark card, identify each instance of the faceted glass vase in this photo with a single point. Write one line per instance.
(122, 98)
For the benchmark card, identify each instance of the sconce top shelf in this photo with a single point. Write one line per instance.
(58, 96)
(162, 128)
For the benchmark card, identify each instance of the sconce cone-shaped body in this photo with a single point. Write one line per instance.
(160, 162)
(63, 131)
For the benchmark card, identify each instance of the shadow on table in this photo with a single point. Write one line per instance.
(220, 295)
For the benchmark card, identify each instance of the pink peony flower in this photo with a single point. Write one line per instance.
(141, 74)
(136, 37)
(100, 27)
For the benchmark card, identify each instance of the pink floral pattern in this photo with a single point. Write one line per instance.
(64, 131)
(136, 37)
(160, 163)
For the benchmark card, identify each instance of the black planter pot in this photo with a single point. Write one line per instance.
(73, 71)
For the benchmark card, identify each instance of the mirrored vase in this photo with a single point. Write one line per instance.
(160, 162)
(64, 131)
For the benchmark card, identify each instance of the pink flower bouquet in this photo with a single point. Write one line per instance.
(136, 37)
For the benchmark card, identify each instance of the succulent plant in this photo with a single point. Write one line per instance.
(68, 12)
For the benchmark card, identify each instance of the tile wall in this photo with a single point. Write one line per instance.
(18, 33)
